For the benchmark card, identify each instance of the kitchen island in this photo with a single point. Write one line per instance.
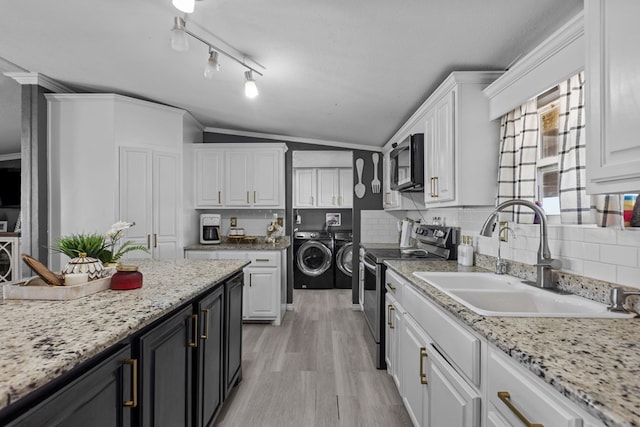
(46, 340)
(595, 363)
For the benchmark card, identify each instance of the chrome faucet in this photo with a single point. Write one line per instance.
(544, 263)
(618, 296)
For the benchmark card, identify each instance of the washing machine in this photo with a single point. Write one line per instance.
(343, 259)
(313, 260)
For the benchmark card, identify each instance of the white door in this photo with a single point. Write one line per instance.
(166, 205)
(260, 292)
(238, 176)
(209, 178)
(266, 178)
(304, 187)
(327, 187)
(452, 402)
(345, 189)
(414, 358)
(136, 196)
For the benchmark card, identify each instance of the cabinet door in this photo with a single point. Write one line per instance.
(390, 197)
(238, 178)
(166, 203)
(210, 357)
(266, 179)
(233, 332)
(613, 96)
(415, 395)
(97, 398)
(345, 189)
(166, 371)
(440, 151)
(260, 292)
(136, 197)
(327, 187)
(209, 171)
(389, 350)
(452, 402)
(304, 188)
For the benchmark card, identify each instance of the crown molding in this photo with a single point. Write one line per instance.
(10, 156)
(38, 79)
(292, 139)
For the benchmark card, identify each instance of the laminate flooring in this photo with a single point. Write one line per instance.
(312, 370)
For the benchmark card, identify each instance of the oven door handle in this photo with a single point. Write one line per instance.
(369, 266)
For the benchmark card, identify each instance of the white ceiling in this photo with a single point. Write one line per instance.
(345, 71)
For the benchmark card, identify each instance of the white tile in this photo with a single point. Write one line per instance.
(591, 251)
(629, 237)
(525, 257)
(572, 265)
(628, 276)
(598, 270)
(599, 235)
(619, 255)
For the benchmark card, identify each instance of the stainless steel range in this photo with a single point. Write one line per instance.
(434, 243)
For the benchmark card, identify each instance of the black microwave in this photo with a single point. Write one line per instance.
(407, 164)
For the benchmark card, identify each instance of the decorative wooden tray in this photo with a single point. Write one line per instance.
(39, 290)
(241, 239)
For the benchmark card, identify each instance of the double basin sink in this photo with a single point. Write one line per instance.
(489, 294)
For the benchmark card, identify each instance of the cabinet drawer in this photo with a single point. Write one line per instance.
(459, 345)
(264, 259)
(232, 255)
(394, 284)
(527, 395)
(200, 254)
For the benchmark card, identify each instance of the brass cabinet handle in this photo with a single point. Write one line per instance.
(134, 383)
(254, 197)
(148, 241)
(219, 200)
(248, 197)
(391, 308)
(506, 399)
(155, 240)
(205, 328)
(262, 259)
(423, 374)
(312, 202)
(389, 314)
(340, 200)
(435, 186)
(250, 276)
(194, 324)
(393, 288)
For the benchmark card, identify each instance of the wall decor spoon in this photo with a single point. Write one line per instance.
(359, 189)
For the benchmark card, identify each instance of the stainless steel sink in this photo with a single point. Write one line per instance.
(489, 294)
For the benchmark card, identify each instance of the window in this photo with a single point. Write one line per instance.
(548, 147)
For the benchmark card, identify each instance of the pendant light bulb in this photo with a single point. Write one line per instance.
(212, 64)
(186, 6)
(179, 40)
(250, 88)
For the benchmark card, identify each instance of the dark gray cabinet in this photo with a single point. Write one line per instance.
(233, 333)
(166, 371)
(102, 396)
(209, 357)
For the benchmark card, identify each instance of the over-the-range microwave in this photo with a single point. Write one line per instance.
(407, 164)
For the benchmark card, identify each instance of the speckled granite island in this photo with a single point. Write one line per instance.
(42, 340)
(593, 362)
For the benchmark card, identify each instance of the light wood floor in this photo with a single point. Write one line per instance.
(313, 370)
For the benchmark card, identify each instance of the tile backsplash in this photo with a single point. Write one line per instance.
(606, 254)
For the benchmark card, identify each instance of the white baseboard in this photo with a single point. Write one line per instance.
(290, 307)
(356, 307)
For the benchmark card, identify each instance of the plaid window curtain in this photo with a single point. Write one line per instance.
(517, 162)
(576, 207)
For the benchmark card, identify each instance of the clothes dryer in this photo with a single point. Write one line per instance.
(313, 260)
(343, 259)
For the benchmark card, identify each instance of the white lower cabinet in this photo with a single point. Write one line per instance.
(262, 282)
(437, 361)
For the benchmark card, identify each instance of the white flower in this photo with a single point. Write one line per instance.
(116, 230)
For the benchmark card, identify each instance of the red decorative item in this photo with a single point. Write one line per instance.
(126, 277)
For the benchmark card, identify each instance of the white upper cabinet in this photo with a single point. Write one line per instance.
(322, 179)
(304, 187)
(461, 144)
(613, 96)
(209, 177)
(239, 175)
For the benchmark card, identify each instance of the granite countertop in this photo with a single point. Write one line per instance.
(42, 340)
(380, 245)
(259, 244)
(593, 362)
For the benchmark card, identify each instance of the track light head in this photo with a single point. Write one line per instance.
(186, 6)
(212, 64)
(179, 40)
(250, 88)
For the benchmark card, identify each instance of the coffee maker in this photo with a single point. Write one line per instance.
(210, 229)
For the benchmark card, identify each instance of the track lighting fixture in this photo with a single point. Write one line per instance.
(186, 6)
(212, 64)
(250, 88)
(179, 42)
